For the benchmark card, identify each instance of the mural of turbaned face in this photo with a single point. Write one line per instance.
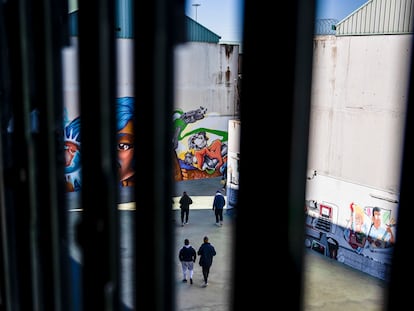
(126, 140)
(125, 109)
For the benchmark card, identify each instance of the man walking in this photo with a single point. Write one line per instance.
(187, 256)
(218, 205)
(185, 202)
(206, 253)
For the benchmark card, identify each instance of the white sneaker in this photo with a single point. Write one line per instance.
(217, 224)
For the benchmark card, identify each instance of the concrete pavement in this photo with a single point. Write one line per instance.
(216, 296)
(328, 284)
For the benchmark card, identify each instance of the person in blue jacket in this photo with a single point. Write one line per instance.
(206, 253)
(218, 206)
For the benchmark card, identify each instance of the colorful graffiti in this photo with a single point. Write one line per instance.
(125, 110)
(365, 243)
(72, 149)
(200, 152)
(370, 227)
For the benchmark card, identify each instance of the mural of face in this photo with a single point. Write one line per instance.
(72, 150)
(125, 140)
(359, 221)
(198, 141)
(125, 149)
(72, 157)
(72, 166)
(376, 216)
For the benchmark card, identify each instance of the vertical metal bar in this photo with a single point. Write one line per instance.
(7, 275)
(401, 259)
(155, 36)
(47, 26)
(21, 203)
(275, 221)
(98, 233)
(31, 209)
(302, 70)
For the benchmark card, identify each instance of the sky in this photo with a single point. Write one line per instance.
(225, 17)
(337, 9)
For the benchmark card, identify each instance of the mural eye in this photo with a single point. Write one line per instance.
(125, 146)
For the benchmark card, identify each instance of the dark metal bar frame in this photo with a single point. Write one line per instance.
(33, 266)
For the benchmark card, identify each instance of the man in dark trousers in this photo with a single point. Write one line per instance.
(218, 205)
(185, 202)
(206, 253)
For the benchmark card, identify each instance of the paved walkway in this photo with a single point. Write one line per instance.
(216, 295)
(197, 187)
(202, 223)
(328, 284)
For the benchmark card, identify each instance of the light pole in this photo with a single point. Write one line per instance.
(196, 5)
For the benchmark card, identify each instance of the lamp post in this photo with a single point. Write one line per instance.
(196, 5)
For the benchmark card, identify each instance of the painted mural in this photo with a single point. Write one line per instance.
(359, 235)
(72, 149)
(125, 146)
(125, 110)
(199, 144)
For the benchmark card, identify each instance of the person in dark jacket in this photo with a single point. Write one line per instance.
(187, 256)
(206, 253)
(218, 205)
(185, 202)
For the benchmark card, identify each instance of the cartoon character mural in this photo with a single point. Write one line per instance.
(204, 151)
(368, 237)
(207, 156)
(370, 227)
(357, 229)
(125, 109)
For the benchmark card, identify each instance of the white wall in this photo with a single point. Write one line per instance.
(359, 97)
(200, 77)
(125, 67)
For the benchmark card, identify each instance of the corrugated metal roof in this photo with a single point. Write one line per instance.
(379, 17)
(198, 33)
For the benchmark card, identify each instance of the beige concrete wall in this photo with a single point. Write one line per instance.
(205, 100)
(206, 75)
(359, 97)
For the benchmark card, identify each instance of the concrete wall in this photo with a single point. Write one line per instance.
(125, 83)
(206, 75)
(206, 98)
(359, 97)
